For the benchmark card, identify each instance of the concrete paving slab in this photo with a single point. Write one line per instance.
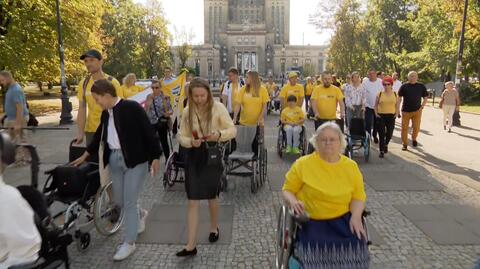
(448, 232)
(166, 224)
(421, 212)
(398, 181)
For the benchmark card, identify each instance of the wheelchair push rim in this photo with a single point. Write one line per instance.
(108, 218)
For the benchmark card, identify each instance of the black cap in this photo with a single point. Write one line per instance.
(91, 53)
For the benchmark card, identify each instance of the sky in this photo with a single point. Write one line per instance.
(191, 18)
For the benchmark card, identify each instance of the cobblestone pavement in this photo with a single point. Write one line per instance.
(405, 246)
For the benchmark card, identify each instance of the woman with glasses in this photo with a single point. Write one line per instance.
(386, 109)
(328, 187)
(159, 111)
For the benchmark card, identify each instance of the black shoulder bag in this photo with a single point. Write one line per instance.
(214, 152)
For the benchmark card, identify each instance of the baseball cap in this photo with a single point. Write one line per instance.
(91, 53)
(292, 74)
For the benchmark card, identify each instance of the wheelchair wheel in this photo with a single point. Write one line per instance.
(366, 148)
(280, 144)
(265, 160)
(254, 178)
(170, 173)
(106, 216)
(282, 244)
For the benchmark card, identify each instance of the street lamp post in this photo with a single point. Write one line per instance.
(458, 73)
(66, 115)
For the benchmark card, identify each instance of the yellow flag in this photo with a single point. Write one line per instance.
(175, 89)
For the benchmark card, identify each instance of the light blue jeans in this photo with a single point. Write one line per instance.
(293, 135)
(127, 184)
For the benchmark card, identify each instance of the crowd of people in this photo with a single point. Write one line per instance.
(325, 184)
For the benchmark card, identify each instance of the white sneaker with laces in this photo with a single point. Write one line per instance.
(141, 222)
(124, 251)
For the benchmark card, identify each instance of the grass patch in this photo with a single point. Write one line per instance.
(471, 107)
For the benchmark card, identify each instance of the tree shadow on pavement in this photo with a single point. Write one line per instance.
(467, 136)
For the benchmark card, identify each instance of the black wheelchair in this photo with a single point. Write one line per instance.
(357, 138)
(282, 141)
(288, 224)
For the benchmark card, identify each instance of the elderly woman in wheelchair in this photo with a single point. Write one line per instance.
(328, 188)
(292, 119)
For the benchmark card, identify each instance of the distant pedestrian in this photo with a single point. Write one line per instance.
(449, 104)
(412, 93)
(129, 88)
(335, 81)
(355, 98)
(373, 85)
(386, 110)
(396, 82)
(16, 110)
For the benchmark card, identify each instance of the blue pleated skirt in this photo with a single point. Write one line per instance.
(330, 244)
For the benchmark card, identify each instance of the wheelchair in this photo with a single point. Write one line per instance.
(357, 138)
(174, 166)
(87, 203)
(282, 141)
(244, 157)
(286, 235)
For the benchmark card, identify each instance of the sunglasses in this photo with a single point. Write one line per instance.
(387, 84)
(155, 88)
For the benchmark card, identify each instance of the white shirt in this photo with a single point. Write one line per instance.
(396, 85)
(20, 240)
(372, 89)
(112, 138)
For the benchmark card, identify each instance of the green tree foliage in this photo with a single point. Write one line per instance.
(135, 39)
(28, 36)
(402, 35)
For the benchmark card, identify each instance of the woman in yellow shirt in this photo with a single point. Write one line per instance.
(292, 119)
(129, 88)
(386, 110)
(329, 188)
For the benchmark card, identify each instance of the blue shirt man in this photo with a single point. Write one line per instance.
(13, 97)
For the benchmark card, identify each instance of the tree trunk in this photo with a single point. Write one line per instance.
(39, 84)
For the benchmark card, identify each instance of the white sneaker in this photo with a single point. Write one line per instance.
(124, 251)
(141, 222)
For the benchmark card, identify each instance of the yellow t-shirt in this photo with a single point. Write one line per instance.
(94, 111)
(296, 90)
(387, 103)
(309, 89)
(251, 106)
(131, 91)
(325, 189)
(292, 115)
(235, 92)
(271, 88)
(327, 99)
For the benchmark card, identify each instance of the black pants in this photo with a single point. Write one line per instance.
(370, 121)
(162, 131)
(319, 122)
(385, 125)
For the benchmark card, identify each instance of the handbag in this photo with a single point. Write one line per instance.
(214, 152)
(102, 170)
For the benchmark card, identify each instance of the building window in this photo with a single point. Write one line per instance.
(308, 61)
(295, 62)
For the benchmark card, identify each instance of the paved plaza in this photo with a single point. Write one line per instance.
(425, 206)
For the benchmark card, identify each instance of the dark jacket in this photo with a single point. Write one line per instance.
(137, 138)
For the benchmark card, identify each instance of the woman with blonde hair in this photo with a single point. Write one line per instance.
(129, 88)
(205, 122)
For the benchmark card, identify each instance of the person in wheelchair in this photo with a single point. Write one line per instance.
(292, 119)
(20, 240)
(329, 188)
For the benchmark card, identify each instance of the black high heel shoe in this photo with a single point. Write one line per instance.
(187, 253)
(213, 237)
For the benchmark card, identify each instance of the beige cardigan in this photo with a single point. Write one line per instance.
(221, 121)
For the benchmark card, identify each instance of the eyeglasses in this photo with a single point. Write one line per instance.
(387, 84)
(328, 140)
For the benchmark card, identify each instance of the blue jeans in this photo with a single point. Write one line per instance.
(126, 186)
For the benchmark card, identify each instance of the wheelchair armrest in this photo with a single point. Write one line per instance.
(29, 265)
(366, 213)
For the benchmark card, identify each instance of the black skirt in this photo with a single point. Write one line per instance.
(202, 181)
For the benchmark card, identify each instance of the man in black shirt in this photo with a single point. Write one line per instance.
(412, 94)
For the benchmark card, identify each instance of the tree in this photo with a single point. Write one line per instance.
(183, 42)
(28, 37)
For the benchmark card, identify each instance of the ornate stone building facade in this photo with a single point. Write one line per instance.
(251, 34)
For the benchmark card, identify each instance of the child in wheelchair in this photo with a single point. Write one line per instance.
(292, 119)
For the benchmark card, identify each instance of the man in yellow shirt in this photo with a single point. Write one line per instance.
(292, 88)
(325, 100)
(87, 123)
(292, 118)
(308, 93)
